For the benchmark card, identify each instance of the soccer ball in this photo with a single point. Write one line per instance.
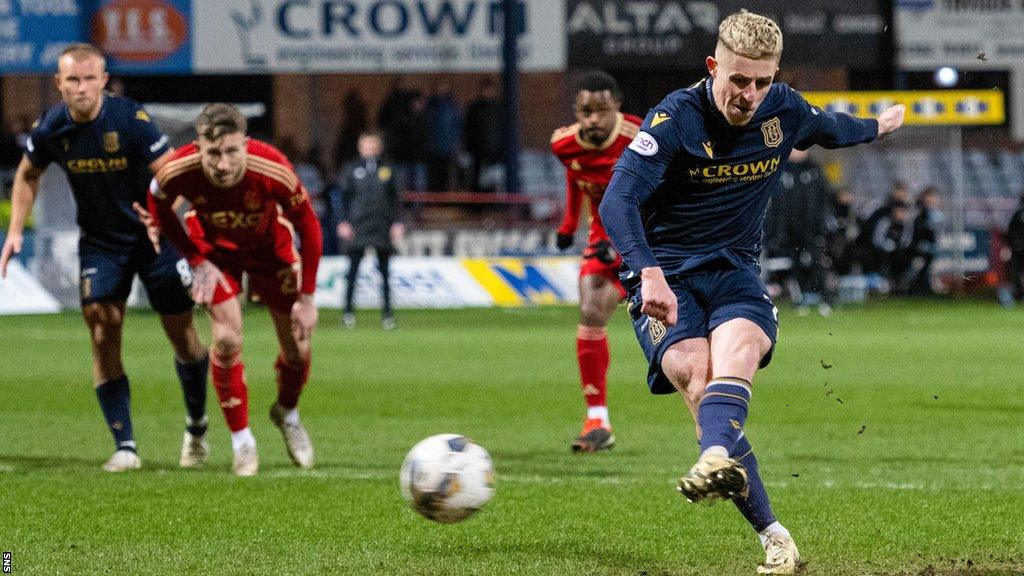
(447, 478)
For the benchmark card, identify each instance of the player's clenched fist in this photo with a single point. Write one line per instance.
(890, 119)
(659, 302)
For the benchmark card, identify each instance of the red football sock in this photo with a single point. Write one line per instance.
(229, 382)
(592, 353)
(290, 381)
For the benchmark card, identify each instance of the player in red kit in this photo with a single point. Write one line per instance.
(589, 150)
(246, 204)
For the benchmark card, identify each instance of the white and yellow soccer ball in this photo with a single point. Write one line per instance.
(447, 478)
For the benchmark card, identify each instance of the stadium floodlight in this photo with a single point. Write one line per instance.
(946, 77)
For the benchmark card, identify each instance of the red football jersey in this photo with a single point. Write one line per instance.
(588, 170)
(244, 218)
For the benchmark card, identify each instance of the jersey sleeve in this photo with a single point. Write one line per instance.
(830, 129)
(640, 170)
(37, 146)
(573, 203)
(151, 143)
(298, 210)
(160, 203)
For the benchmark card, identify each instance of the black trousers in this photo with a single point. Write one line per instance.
(355, 257)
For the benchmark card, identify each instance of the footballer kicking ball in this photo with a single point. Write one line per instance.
(447, 478)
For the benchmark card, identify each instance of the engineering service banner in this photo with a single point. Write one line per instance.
(238, 36)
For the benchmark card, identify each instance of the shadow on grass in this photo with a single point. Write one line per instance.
(15, 463)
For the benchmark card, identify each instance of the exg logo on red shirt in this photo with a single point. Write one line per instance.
(139, 30)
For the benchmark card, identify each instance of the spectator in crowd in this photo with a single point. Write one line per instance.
(444, 134)
(800, 212)
(366, 202)
(355, 119)
(843, 230)
(484, 134)
(1015, 242)
(870, 255)
(923, 241)
(402, 118)
(890, 246)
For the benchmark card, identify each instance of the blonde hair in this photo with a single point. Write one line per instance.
(80, 51)
(751, 35)
(218, 120)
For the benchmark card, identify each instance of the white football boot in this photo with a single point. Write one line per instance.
(246, 461)
(714, 477)
(123, 461)
(296, 439)
(194, 451)
(781, 555)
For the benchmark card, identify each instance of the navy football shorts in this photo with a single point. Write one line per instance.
(707, 299)
(106, 275)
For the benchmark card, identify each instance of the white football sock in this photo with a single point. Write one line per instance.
(719, 451)
(291, 416)
(773, 528)
(599, 412)
(241, 438)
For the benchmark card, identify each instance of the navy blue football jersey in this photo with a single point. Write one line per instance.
(692, 189)
(107, 163)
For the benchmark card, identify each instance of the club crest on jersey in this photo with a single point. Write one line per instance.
(709, 148)
(252, 200)
(772, 131)
(141, 115)
(644, 144)
(575, 165)
(110, 142)
(656, 330)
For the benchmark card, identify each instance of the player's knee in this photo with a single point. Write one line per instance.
(591, 314)
(227, 346)
(295, 357)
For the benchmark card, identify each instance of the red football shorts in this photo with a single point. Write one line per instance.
(610, 272)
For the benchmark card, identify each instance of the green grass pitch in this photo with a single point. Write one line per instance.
(905, 456)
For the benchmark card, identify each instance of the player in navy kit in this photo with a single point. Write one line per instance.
(110, 149)
(685, 208)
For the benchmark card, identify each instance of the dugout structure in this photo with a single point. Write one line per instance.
(976, 186)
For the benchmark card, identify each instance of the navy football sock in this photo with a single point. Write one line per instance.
(115, 401)
(193, 385)
(755, 507)
(722, 412)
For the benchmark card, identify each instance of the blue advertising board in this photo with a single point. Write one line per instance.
(32, 34)
(138, 36)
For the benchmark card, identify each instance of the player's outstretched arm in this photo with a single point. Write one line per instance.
(23, 196)
(891, 119)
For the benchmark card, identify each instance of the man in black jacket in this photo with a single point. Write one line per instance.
(366, 201)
